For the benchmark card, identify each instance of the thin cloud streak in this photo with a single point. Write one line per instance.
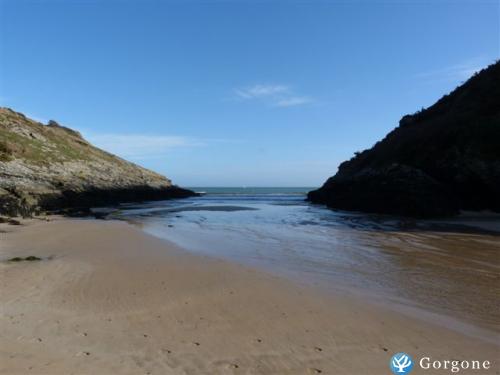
(293, 101)
(458, 72)
(140, 146)
(275, 95)
(259, 91)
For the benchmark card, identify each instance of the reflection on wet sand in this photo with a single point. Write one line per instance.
(456, 274)
(451, 267)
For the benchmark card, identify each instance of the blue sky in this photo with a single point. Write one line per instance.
(233, 93)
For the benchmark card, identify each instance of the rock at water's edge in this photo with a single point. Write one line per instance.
(52, 167)
(439, 161)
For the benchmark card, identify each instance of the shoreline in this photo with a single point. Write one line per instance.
(474, 328)
(113, 299)
(444, 273)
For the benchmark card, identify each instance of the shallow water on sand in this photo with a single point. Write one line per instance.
(444, 267)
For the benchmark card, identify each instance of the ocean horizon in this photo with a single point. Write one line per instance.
(252, 189)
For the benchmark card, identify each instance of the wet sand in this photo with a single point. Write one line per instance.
(448, 273)
(110, 299)
(447, 267)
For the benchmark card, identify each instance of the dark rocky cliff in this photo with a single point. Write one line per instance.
(49, 167)
(438, 161)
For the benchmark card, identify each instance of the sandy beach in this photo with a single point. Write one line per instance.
(107, 298)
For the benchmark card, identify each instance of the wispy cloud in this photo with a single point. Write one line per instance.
(140, 146)
(276, 95)
(293, 100)
(260, 91)
(457, 72)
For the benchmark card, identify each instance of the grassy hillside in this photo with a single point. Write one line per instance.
(48, 166)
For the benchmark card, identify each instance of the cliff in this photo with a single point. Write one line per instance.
(437, 162)
(50, 167)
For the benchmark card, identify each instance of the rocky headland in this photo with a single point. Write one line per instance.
(438, 161)
(51, 167)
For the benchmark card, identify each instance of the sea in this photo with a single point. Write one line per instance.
(440, 269)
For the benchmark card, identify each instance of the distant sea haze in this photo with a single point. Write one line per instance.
(253, 190)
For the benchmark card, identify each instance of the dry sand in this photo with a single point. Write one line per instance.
(113, 300)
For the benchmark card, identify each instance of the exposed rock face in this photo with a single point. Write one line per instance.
(48, 167)
(438, 161)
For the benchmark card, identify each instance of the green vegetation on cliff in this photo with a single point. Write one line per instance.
(51, 166)
(438, 161)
